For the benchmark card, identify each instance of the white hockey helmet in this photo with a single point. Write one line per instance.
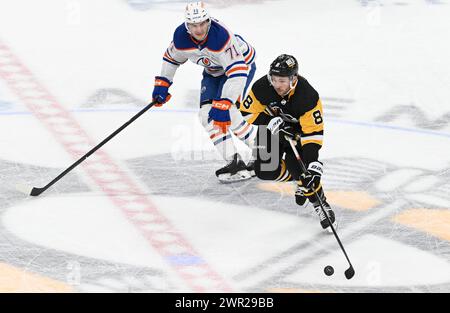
(196, 13)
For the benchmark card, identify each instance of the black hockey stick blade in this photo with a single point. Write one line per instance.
(350, 272)
(36, 191)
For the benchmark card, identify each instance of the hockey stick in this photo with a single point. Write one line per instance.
(36, 191)
(350, 272)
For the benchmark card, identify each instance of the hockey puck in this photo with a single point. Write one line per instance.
(329, 270)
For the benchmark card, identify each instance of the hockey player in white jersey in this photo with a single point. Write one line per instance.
(229, 67)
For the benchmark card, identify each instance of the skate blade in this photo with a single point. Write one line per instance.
(239, 176)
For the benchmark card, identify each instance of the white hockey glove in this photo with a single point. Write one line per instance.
(277, 125)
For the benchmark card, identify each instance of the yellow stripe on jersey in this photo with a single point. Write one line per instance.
(312, 125)
(252, 105)
(304, 142)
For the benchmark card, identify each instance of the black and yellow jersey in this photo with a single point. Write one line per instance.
(302, 107)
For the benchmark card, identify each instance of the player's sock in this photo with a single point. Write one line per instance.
(246, 133)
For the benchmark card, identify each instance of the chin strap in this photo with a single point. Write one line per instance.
(291, 84)
(292, 87)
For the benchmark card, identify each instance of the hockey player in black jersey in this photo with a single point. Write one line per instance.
(287, 107)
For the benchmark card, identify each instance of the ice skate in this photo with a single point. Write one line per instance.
(251, 168)
(300, 197)
(234, 171)
(323, 219)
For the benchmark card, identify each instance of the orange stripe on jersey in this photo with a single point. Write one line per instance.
(238, 68)
(249, 57)
(166, 55)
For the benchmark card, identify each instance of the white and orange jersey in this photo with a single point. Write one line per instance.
(220, 53)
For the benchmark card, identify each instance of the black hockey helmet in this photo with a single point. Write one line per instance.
(284, 65)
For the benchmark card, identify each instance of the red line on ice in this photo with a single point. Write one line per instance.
(120, 188)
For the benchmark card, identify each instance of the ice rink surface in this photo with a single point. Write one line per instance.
(146, 212)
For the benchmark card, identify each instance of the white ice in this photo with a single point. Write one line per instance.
(382, 70)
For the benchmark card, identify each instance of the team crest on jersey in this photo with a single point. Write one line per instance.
(204, 61)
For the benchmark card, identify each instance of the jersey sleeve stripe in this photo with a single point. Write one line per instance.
(237, 75)
(304, 142)
(315, 137)
(250, 57)
(236, 69)
(319, 133)
(167, 53)
(234, 64)
(168, 58)
(246, 51)
(171, 62)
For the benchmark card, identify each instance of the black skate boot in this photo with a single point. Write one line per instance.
(300, 197)
(234, 171)
(323, 219)
(251, 168)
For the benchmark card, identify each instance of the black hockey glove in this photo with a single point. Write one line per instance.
(277, 125)
(311, 179)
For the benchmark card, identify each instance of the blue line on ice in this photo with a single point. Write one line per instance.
(185, 259)
(339, 121)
